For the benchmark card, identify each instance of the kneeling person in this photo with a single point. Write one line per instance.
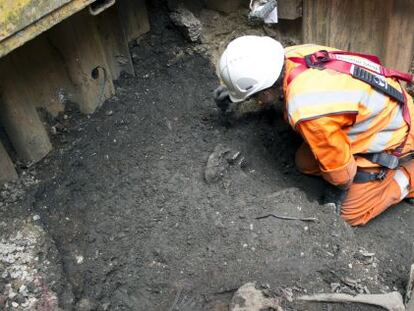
(352, 113)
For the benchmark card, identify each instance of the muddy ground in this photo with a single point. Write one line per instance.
(128, 222)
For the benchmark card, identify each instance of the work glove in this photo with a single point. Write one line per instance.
(222, 98)
(334, 196)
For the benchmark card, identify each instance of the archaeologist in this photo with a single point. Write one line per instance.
(353, 114)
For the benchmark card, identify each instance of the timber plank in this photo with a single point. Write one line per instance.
(382, 27)
(44, 75)
(359, 25)
(291, 9)
(7, 171)
(316, 21)
(134, 18)
(226, 6)
(400, 36)
(79, 43)
(19, 116)
(115, 42)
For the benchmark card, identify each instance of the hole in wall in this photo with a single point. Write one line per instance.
(95, 73)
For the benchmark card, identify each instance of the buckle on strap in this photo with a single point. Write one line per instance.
(364, 177)
(384, 159)
(381, 175)
(316, 60)
(378, 82)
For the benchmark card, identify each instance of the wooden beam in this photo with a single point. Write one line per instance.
(114, 42)
(39, 21)
(400, 35)
(356, 25)
(8, 172)
(291, 9)
(19, 116)
(79, 43)
(225, 6)
(382, 27)
(44, 74)
(316, 21)
(134, 18)
(359, 25)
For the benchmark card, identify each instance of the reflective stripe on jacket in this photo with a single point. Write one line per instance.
(372, 122)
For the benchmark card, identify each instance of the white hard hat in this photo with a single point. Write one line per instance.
(250, 64)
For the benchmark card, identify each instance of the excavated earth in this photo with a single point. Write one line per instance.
(124, 219)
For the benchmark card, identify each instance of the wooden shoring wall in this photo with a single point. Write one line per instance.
(225, 6)
(77, 59)
(7, 170)
(380, 27)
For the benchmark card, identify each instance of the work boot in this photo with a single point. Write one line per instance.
(409, 169)
(409, 201)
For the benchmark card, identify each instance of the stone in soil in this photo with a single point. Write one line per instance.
(187, 23)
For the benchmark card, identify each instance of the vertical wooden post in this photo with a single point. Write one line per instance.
(19, 116)
(316, 15)
(291, 9)
(114, 42)
(356, 25)
(7, 170)
(78, 41)
(134, 18)
(400, 36)
(383, 28)
(226, 6)
(43, 73)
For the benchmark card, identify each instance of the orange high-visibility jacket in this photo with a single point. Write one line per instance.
(340, 116)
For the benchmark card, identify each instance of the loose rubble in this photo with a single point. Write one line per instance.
(187, 23)
(14, 191)
(25, 287)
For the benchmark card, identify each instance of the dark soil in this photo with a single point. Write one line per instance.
(126, 191)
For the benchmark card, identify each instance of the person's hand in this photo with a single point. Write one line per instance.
(221, 97)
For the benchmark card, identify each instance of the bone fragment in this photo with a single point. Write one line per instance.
(410, 291)
(392, 301)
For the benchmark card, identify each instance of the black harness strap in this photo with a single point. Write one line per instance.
(382, 158)
(377, 82)
(386, 160)
(363, 177)
(380, 84)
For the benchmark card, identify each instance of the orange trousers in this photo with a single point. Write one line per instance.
(365, 201)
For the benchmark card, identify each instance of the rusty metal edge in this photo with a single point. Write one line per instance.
(33, 30)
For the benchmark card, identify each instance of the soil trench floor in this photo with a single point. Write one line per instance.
(125, 192)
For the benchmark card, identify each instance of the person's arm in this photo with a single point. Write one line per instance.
(331, 147)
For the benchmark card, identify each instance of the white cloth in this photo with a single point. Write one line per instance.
(272, 18)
